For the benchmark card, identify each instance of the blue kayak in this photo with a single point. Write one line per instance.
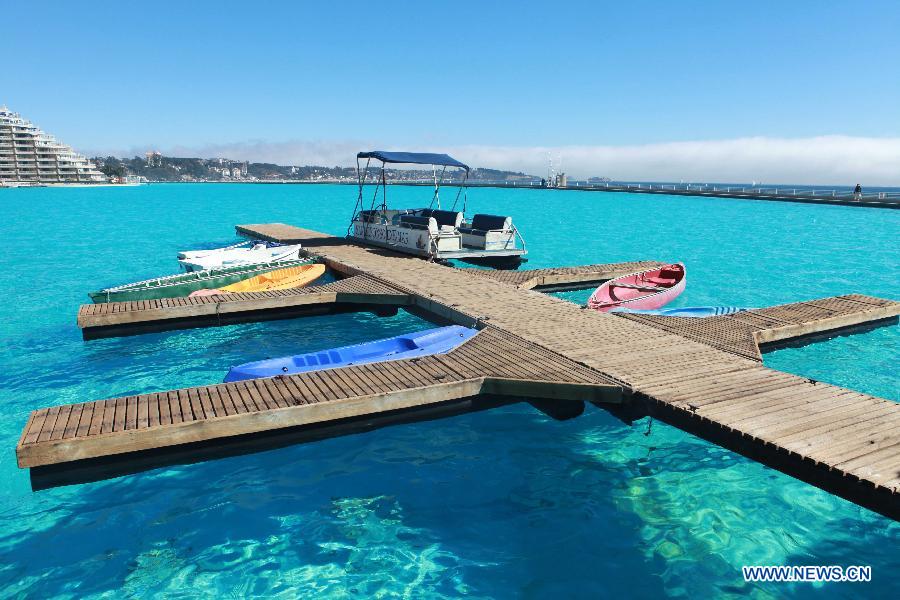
(689, 311)
(408, 345)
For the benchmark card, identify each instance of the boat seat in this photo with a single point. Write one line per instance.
(369, 216)
(486, 232)
(660, 280)
(671, 273)
(444, 217)
(414, 222)
(481, 224)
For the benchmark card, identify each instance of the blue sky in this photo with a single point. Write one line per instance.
(121, 76)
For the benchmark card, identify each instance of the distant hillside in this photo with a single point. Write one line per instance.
(156, 167)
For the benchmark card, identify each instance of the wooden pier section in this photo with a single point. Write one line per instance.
(747, 332)
(493, 362)
(116, 319)
(562, 279)
(703, 376)
(356, 293)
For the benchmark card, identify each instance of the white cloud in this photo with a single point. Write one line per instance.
(320, 153)
(835, 159)
(819, 160)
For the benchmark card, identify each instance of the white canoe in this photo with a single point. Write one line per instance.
(192, 254)
(235, 256)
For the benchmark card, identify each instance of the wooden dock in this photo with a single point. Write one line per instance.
(356, 293)
(561, 279)
(492, 363)
(702, 376)
(748, 332)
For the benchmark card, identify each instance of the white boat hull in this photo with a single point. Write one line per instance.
(439, 246)
(232, 257)
(413, 241)
(194, 254)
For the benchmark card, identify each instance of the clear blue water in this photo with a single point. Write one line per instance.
(496, 504)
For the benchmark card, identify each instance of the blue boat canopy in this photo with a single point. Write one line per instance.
(414, 158)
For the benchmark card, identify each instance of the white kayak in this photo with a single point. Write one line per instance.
(192, 254)
(233, 256)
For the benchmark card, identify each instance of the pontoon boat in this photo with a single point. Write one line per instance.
(432, 232)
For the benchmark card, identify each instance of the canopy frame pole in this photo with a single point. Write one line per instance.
(437, 186)
(375, 195)
(435, 197)
(361, 180)
(464, 191)
(383, 188)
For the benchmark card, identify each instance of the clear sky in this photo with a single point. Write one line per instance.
(285, 77)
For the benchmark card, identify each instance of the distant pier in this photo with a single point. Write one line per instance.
(702, 375)
(780, 194)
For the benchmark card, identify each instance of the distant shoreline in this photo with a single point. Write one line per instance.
(16, 186)
(877, 200)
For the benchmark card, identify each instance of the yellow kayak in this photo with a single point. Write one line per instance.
(282, 279)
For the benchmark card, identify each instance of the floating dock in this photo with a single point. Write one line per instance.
(356, 293)
(703, 376)
(493, 363)
(749, 332)
(116, 319)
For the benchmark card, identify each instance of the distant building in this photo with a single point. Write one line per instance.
(130, 179)
(27, 154)
(154, 159)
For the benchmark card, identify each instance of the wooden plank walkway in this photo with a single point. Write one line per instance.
(112, 319)
(284, 234)
(566, 278)
(492, 362)
(361, 292)
(743, 333)
(840, 440)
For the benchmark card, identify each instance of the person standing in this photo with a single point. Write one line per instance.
(857, 192)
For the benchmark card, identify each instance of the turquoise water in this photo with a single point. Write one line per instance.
(496, 504)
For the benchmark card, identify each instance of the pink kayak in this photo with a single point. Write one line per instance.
(647, 290)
